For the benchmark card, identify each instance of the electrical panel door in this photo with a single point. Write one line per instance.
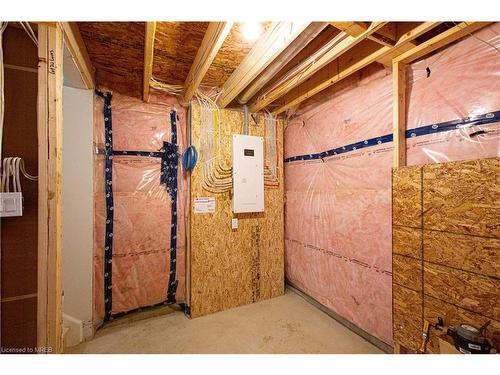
(248, 173)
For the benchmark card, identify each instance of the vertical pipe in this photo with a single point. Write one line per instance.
(245, 125)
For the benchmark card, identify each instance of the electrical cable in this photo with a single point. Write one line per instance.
(27, 27)
(13, 166)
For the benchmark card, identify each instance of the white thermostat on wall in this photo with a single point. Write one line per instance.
(248, 173)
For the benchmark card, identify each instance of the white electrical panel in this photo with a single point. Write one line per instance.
(248, 173)
(11, 204)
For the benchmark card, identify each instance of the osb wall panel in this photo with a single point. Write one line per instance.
(407, 317)
(407, 271)
(454, 316)
(470, 291)
(461, 246)
(407, 196)
(469, 253)
(462, 197)
(228, 267)
(407, 241)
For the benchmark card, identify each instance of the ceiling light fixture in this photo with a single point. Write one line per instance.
(251, 30)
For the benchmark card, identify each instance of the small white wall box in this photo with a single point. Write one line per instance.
(11, 204)
(248, 173)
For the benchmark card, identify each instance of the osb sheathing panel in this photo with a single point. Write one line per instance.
(407, 196)
(454, 316)
(407, 321)
(462, 197)
(461, 270)
(175, 47)
(479, 294)
(469, 253)
(407, 271)
(407, 241)
(230, 268)
(116, 50)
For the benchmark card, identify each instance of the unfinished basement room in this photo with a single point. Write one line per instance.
(245, 186)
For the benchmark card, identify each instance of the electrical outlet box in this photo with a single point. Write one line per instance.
(234, 223)
(11, 204)
(248, 173)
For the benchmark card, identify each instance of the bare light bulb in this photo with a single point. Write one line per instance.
(251, 30)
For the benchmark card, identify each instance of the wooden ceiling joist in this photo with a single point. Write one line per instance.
(350, 69)
(149, 39)
(355, 29)
(290, 52)
(338, 49)
(269, 46)
(441, 40)
(212, 41)
(76, 46)
(351, 28)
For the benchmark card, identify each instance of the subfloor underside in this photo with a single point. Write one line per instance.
(286, 324)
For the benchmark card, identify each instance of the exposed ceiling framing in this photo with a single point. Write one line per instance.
(274, 41)
(212, 41)
(288, 64)
(149, 39)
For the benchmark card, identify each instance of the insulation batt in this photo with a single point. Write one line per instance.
(338, 210)
(142, 207)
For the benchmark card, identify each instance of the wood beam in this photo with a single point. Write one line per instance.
(267, 48)
(212, 41)
(50, 83)
(149, 40)
(352, 28)
(441, 40)
(350, 69)
(306, 37)
(355, 29)
(399, 113)
(337, 50)
(76, 46)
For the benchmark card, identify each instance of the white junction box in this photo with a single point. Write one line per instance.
(248, 173)
(11, 204)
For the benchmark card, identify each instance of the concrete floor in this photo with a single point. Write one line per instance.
(287, 324)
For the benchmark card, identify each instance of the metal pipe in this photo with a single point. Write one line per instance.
(245, 124)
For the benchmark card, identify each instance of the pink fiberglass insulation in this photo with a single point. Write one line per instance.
(464, 81)
(142, 207)
(338, 209)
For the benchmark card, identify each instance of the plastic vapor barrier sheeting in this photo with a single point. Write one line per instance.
(338, 203)
(142, 207)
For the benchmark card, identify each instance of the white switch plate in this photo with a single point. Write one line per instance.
(11, 204)
(234, 223)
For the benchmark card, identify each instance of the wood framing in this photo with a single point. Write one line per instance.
(149, 41)
(76, 46)
(352, 28)
(399, 81)
(291, 51)
(399, 113)
(274, 41)
(50, 82)
(355, 29)
(441, 40)
(212, 41)
(338, 49)
(350, 69)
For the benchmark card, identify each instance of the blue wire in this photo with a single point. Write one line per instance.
(189, 158)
